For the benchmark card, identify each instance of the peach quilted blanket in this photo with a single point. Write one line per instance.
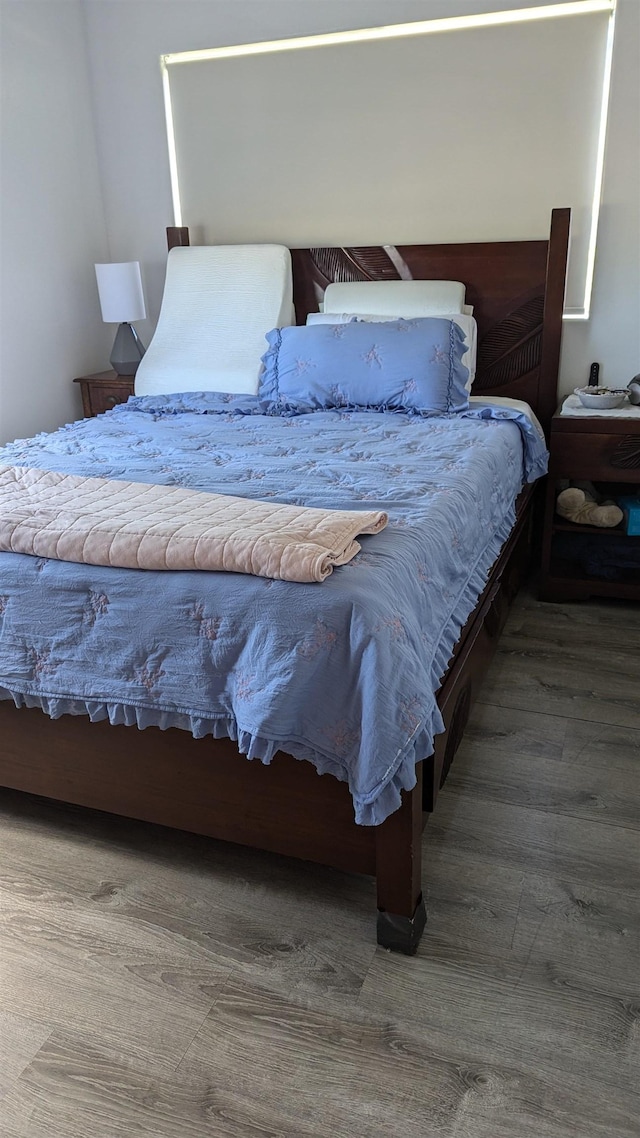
(135, 525)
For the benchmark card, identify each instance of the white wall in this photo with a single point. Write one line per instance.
(52, 218)
(126, 40)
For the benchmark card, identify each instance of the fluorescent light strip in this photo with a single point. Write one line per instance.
(598, 178)
(171, 143)
(418, 28)
(396, 31)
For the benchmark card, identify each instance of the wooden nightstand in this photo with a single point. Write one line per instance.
(101, 392)
(607, 453)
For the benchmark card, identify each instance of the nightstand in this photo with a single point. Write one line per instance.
(605, 451)
(101, 392)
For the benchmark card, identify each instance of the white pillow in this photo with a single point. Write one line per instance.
(506, 401)
(411, 298)
(467, 323)
(219, 303)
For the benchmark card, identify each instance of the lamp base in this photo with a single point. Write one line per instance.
(127, 351)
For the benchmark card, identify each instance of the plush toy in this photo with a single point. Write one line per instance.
(581, 503)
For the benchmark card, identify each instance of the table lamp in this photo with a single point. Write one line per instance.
(122, 302)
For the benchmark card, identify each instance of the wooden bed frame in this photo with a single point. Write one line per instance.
(167, 777)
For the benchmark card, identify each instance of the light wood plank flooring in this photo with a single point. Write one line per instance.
(165, 986)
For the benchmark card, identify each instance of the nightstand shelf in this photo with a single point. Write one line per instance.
(103, 390)
(562, 526)
(569, 582)
(605, 451)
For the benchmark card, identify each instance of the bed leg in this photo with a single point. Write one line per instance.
(401, 911)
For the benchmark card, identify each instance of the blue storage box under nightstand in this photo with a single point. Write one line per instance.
(631, 507)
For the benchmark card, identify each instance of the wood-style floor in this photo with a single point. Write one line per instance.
(159, 985)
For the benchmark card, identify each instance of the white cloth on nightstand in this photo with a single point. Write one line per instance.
(573, 407)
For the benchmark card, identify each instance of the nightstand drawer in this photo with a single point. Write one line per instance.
(102, 391)
(104, 398)
(593, 456)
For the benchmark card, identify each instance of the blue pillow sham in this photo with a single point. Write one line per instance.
(401, 365)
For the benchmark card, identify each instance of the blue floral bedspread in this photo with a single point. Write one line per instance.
(341, 673)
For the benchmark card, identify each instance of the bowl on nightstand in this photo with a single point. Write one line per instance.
(600, 398)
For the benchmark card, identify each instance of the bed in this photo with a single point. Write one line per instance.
(164, 774)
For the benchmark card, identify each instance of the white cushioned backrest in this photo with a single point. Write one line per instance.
(412, 298)
(219, 302)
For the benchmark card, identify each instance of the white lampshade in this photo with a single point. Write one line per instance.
(120, 289)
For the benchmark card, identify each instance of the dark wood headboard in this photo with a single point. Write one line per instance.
(516, 289)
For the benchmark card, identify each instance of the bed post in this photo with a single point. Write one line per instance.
(401, 911)
(177, 235)
(552, 316)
